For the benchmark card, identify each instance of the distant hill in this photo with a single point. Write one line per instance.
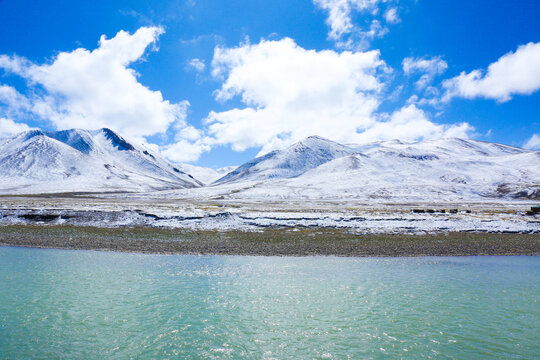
(293, 161)
(436, 170)
(314, 168)
(83, 161)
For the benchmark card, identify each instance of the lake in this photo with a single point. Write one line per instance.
(60, 304)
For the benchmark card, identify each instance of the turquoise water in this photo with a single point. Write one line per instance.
(57, 304)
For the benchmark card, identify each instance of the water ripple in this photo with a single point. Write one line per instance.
(91, 305)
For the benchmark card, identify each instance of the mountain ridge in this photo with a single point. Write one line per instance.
(433, 169)
(290, 162)
(78, 159)
(102, 160)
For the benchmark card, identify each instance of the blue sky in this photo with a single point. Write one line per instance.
(216, 83)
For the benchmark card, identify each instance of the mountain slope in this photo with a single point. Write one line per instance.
(82, 160)
(434, 171)
(293, 161)
(314, 168)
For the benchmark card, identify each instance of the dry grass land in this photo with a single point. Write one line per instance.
(278, 242)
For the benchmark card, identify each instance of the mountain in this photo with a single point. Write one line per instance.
(291, 162)
(434, 171)
(83, 161)
(456, 170)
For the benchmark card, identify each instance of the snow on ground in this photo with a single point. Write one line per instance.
(249, 216)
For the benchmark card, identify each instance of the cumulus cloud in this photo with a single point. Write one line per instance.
(411, 124)
(391, 16)
(12, 98)
(12, 103)
(516, 73)
(340, 21)
(9, 127)
(188, 146)
(287, 93)
(197, 64)
(428, 67)
(290, 93)
(97, 88)
(533, 142)
(186, 150)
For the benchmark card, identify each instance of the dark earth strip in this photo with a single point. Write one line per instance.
(270, 242)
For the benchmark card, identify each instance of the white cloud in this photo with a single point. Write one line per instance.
(12, 98)
(186, 150)
(93, 89)
(391, 16)
(197, 64)
(12, 103)
(533, 142)
(434, 65)
(411, 124)
(290, 93)
(428, 67)
(514, 73)
(339, 16)
(340, 21)
(9, 127)
(189, 133)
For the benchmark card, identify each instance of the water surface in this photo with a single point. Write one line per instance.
(92, 305)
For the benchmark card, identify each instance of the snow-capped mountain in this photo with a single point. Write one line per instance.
(83, 161)
(437, 170)
(291, 162)
(314, 168)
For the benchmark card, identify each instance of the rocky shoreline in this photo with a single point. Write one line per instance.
(269, 242)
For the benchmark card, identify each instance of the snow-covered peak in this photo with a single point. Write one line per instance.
(471, 147)
(116, 140)
(317, 142)
(81, 140)
(441, 170)
(315, 168)
(293, 161)
(85, 160)
(84, 141)
(446, 147)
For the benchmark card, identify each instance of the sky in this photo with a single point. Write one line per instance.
(216, 83)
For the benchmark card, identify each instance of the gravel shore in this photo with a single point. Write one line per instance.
(270, 242)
